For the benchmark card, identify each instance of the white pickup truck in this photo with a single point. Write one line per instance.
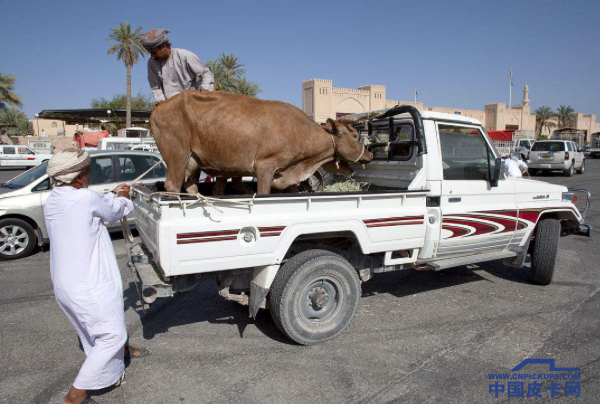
(436, 199)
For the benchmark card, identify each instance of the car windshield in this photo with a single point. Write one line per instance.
(27, 177)
(548, 146)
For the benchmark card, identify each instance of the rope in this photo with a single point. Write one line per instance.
(361, 153)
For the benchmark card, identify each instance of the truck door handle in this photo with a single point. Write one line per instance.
(451, 200)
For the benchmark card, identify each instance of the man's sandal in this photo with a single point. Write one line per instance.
(89, 400)
(143, 353)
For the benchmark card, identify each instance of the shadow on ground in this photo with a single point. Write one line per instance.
(205, 305)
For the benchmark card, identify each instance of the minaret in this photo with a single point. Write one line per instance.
(526, 95)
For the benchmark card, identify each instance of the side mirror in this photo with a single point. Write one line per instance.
(496, 173)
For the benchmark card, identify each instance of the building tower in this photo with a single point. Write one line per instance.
(526, 95)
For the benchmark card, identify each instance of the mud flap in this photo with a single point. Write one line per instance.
(262, 278)
(257, 297)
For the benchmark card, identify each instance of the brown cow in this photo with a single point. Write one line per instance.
(235, 135)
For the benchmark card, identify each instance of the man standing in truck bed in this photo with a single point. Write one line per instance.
(172, 70)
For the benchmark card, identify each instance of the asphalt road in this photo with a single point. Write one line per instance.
(418, 336)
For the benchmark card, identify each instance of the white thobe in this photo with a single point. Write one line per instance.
(513, 167)
(86, 278)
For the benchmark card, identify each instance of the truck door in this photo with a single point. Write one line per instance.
(476, 217)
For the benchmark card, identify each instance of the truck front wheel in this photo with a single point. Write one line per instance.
(314, 296)
(545, 249)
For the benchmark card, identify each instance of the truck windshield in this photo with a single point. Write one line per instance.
(27, 177)
(548, 146)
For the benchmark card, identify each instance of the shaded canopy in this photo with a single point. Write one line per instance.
(82, 116)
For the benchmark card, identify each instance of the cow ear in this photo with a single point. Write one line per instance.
(333, 129)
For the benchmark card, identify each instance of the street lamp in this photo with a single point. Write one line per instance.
(37, 120)
(108, 111)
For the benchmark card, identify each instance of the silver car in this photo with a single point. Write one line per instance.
(22, 199)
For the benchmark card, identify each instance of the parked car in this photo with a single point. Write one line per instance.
(586, 151)
(523, 146)
(22, 199)
(123, 143)
(548, 155)
(21, 156)
(594, 148)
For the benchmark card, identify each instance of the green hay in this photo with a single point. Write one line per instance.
(345, 186)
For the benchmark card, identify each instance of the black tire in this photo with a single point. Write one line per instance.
(533, 171)
(569, 171)
(17, 239)
(544, 252)
(309, 282)
(582, 168)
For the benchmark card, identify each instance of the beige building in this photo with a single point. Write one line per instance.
(320, 101)
(53, 127)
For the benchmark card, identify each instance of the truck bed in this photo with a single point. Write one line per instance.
(188, 236)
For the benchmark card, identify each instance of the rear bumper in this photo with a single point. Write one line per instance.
(538, 165)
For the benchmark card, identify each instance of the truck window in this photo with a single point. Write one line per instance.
(9, 150)
(396, 150)
(465, 154)
(24, 150)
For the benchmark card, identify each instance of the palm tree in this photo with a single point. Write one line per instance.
(566, 116)
(222, 80)
(128, 49)
(231, 64)
(14, 121)
(229, 76)
(7, 97)
(543, 116)
(247, 87)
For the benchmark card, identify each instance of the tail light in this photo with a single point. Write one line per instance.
(30, 158)
(207, 179)
(566, 155)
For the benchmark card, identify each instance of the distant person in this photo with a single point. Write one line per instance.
(172, 70)
(44, 133)
(513, 166)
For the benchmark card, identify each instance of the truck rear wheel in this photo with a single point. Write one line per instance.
(545, 249)
(314, 296)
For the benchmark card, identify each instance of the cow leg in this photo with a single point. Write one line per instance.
(239, 186)
(264, 178)
(176, 171)
(220, 184)
(192, 176)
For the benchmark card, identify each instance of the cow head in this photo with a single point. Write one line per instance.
(348, 146)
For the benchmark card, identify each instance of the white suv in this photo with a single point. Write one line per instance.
(547, 155)
(21, 156)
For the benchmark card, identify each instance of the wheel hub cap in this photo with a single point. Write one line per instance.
(319, 298)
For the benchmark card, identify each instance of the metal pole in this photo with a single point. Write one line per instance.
(510, 84)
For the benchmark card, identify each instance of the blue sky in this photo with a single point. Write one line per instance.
(456, 53)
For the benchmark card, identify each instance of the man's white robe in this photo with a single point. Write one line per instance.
(86, 278)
